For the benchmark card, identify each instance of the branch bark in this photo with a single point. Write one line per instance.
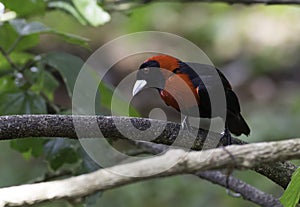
(21, 126)
(247, 191)
(181, 162)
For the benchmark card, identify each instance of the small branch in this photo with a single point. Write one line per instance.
(6, 56)
(180, 161)
(247, 191)
(21, 126)
(14, 45)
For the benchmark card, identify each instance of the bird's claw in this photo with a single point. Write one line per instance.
(232, 194)
(185, 124)
(226, 137)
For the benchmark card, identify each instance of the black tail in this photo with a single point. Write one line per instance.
(237, 124)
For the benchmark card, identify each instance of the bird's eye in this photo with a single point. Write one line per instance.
(176, 71)
(146, 70)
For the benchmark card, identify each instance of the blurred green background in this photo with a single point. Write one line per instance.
(256, 46)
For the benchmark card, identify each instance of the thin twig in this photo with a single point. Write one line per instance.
(247, 191)
(8, 59)
(14, 45)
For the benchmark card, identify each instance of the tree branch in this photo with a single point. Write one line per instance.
(184, 162)
(21, 126)
(247, 191)
(8, 59)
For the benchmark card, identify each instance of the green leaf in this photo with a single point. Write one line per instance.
(8, 36)
(73, 39)
(92, 12)
(65, 6)
(291, 195)
(29, 146)
(68, 66)
(24, 35)
(25, 8)
(21, 103)
(7, 84)
(43, 82)
(27, 42)
(106, 93)
(24, 28)
(19, 58)
(19, 35)
(60, 151)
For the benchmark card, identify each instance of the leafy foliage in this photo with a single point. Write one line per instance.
(87, 12)
(22, 103)
(28, 8)
(91, 12)
(29, 147)
(67, 65)
(28, 81)
(61, 151)
(291, 195)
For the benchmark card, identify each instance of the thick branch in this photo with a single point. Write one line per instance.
(245, 190)
(17, 126)
(179, 160)
(22, 126)
(62, 126)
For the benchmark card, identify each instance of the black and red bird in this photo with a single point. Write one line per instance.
(162, 72)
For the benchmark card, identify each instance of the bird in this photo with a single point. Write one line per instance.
(163, 73)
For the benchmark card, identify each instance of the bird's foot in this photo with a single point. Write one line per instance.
(185, 124)
(232, 193)
(226, 139)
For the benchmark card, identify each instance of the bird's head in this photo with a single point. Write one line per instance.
(154, 72)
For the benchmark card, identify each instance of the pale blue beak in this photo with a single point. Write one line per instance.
(138, 86)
